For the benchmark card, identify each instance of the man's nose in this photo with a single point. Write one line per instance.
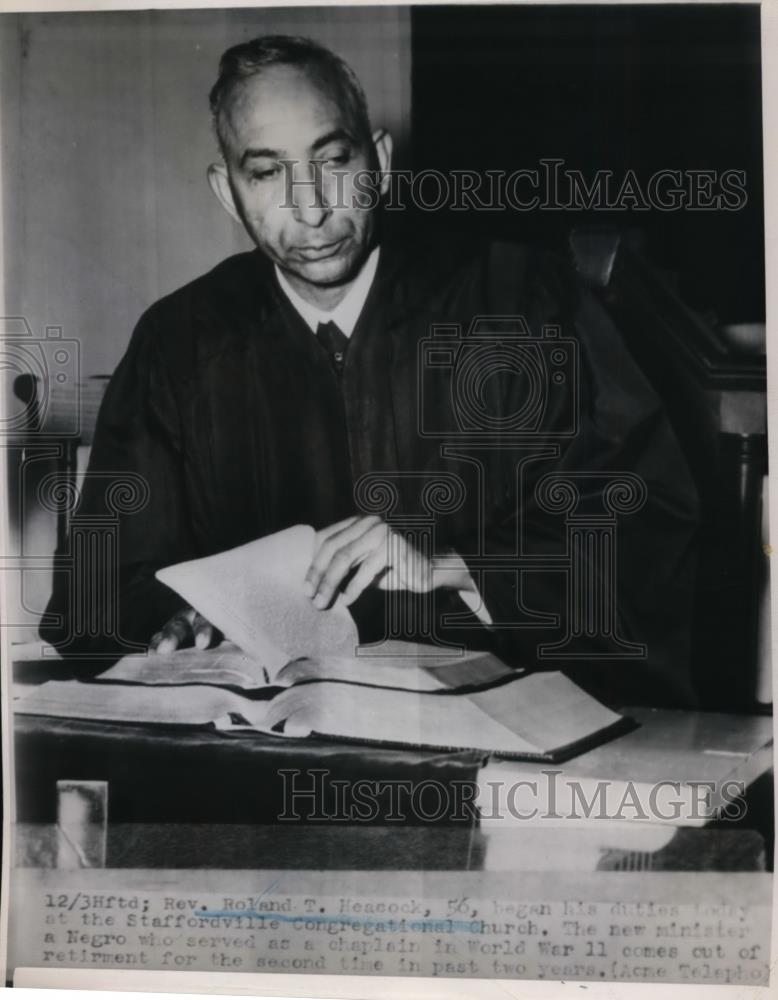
(310, 206)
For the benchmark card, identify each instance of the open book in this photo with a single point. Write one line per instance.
(392, 664)
(294, 671)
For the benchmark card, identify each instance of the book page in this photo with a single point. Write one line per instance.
(499, 719)
(547, 708)
(428, 719)
(254, 595)
(412, 668)
(189, 705)
(224, 666)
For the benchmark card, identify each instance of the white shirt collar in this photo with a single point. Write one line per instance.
(346, 312)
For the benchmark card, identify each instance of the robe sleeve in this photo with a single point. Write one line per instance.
(132, 515)
(623, 434)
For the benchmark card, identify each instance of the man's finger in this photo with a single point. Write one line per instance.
(407, 568)
(364, 576)
(352, 549)
(333, 529)
(334, 538)
(331, 546)
(397, 565)
(205, 635)
(346, 558)
(177, 632)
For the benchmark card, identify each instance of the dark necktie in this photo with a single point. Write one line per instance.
(335, 342)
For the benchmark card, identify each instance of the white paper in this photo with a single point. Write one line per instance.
(254, 595)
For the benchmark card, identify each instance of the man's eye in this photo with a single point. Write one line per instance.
(264, 175)
(338, 158)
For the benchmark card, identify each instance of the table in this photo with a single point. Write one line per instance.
(187, 797)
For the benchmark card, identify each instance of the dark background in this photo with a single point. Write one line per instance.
(647, 88)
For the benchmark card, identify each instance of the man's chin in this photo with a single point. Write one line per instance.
(328, 272)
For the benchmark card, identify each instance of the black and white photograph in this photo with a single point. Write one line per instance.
(385, 534)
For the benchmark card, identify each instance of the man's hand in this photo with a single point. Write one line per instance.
(366, 547)
(186, 628)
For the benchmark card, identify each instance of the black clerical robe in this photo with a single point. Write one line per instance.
(468, 433)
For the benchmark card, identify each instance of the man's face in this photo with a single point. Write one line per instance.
(314, 229)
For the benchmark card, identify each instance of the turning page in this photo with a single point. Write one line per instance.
(254, 595)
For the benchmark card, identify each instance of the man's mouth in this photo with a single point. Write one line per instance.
(319, 251)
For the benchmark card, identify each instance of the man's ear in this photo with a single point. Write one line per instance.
(382, 142)
(220, 185)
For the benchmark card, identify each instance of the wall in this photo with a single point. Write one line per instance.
(107, 140)
(106, 137)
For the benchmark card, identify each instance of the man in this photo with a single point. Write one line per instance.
(300, 383)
